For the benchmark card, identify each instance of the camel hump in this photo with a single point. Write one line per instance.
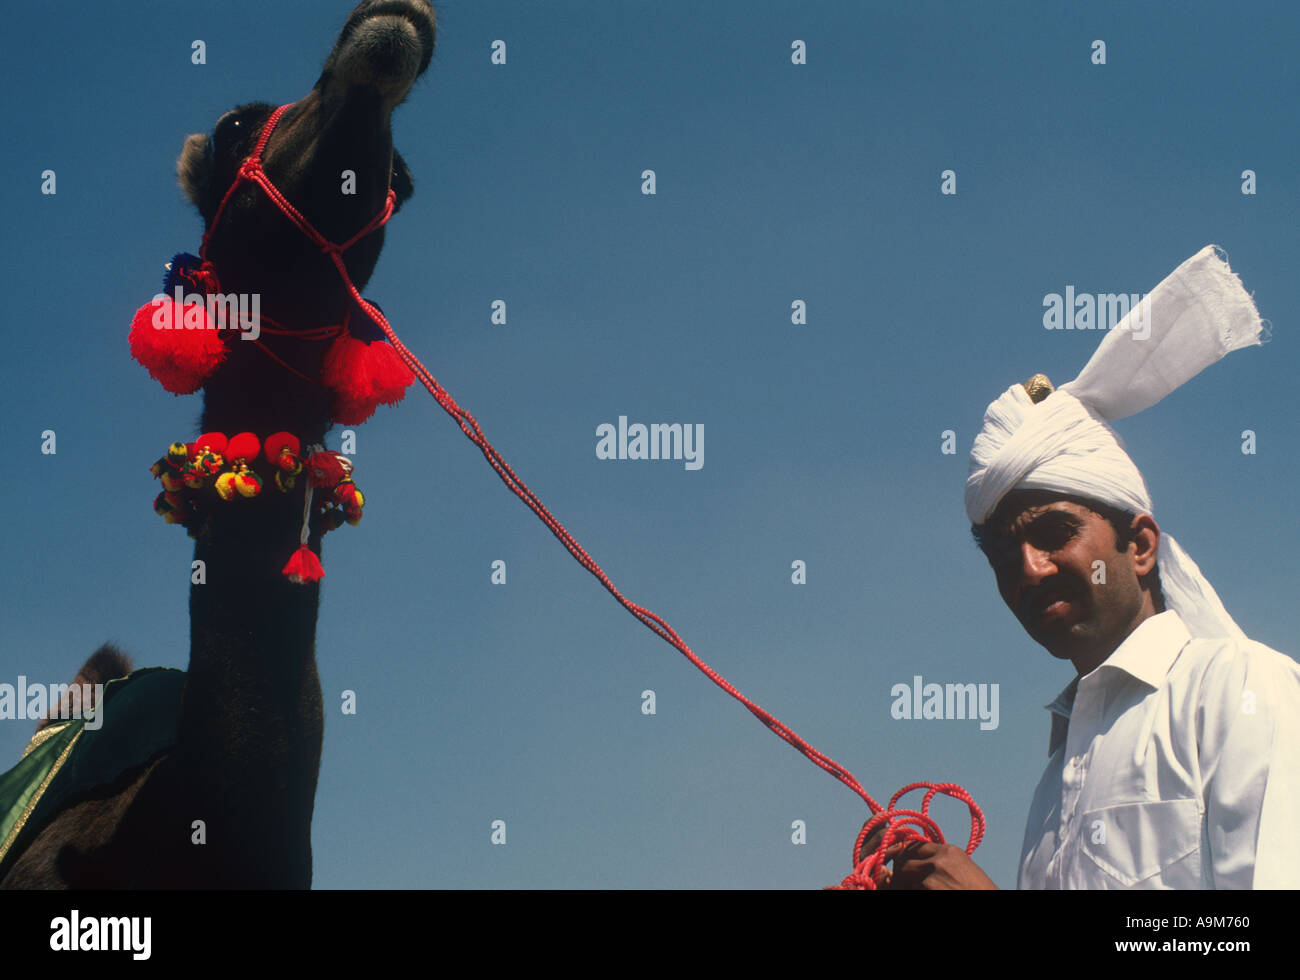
(104, 665)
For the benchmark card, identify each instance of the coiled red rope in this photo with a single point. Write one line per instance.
(900, 825)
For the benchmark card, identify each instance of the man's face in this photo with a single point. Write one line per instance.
(1044, 554)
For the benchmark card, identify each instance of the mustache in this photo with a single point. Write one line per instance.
(1054, 586)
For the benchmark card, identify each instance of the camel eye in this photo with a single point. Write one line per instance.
(231, 135)
(224, 129)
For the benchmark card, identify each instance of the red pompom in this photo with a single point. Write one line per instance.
(303, 567)
(176, 344)
(363, 374)
(215, 441)
(243, 446)
(280, 441)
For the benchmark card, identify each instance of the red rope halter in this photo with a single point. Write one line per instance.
(277, 329)
(900, 825)
(251, 170)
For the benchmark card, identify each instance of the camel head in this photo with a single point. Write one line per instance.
(331, 155)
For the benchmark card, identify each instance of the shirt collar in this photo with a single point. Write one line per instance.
(1151, 649)
(1146, 655)
(1060, 709)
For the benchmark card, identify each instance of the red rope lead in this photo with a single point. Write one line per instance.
(901, 825)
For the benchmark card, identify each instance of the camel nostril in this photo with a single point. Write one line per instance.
(417, 15)
(384, 52)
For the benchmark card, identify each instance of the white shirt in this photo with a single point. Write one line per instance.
(1174, 764)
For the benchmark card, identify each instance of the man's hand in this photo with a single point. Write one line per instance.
(922, 864)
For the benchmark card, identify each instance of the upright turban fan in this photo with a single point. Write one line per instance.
(1064, 442)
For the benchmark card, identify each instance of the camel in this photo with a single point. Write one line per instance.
(248, 717)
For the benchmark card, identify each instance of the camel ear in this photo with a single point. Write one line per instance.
(401, 180)
(194, 168)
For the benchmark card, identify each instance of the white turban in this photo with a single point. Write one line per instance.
(1194, 317)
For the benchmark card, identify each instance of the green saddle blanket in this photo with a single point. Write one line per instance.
(66, 760)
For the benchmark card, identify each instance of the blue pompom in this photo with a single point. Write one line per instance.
(362, 327)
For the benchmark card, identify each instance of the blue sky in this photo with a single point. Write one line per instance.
(775, 182)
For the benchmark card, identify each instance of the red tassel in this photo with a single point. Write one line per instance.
(303, 567)
(363, 375)
(324, 469)
(181, 355)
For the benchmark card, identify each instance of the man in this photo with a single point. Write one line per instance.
(1175, 752)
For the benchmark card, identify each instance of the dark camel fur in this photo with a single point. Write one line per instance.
(248, 750)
